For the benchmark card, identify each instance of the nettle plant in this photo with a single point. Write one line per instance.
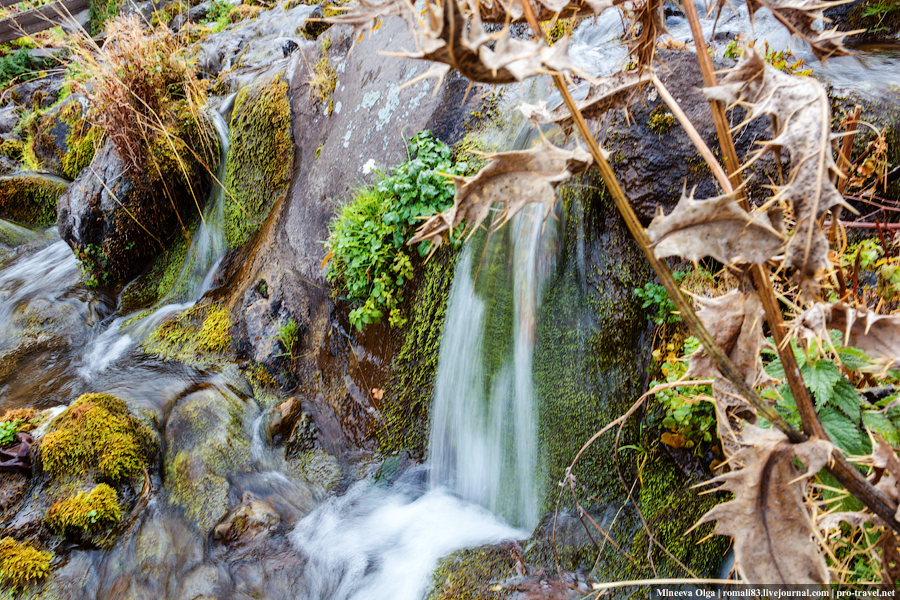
(772, 516)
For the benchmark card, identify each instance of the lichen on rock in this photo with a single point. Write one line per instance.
(199, 336)
(260, 157)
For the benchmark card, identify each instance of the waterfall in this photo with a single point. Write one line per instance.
(483, 439)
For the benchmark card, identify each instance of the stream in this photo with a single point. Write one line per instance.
(482, 482)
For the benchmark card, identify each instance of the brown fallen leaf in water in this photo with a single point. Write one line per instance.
(768, 519)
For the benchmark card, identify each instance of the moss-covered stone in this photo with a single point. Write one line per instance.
(85, 515)
(472, 574)
(206, 444)
(671, 507)
(97, 434)
(198, 336)
(260, 157)
(408, 396)
(21, 563)
(30, 198)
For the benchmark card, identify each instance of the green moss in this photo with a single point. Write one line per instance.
(13, 148)
(196, 336)
(162, 277)
(21, 563)
(30, 199)
(589, 348)
(472, 574)
(85, 515)
(661, 120)
(82, 142)
(205, 445)
(671, 507)
(260, 157)
(408, 396)
(97, 433)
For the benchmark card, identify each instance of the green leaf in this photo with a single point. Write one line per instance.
(845, 434)
(820, 379)
(846, 398)
(878, 423)
(853, 358)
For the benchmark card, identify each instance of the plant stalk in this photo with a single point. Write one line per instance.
(840, 468)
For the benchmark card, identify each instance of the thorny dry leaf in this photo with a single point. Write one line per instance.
(607, 93)
(856, 519)
(876, 335)
(799, 16)
(716, 227)
(770, 524)
(801, 115)
(451, 39)
(512, 178)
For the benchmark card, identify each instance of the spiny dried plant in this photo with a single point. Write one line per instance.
(770, 517)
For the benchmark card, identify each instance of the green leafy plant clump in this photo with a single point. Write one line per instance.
(367, 243)
(21, 563)
(8, 431)
(22, 66)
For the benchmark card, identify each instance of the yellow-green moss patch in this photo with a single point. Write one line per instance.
(21, 564)
(30, 199)
(85, 514)
(196, 336)
(260, 157)
(97, 433)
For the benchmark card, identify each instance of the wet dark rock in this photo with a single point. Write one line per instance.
(878, 20)
(250, 519)
(288, 47)
(9, 117)
(13, 485)
(38, 93)
(282, 418)
(50, 136)
(116, 221)
(302, 438)
(652, 155)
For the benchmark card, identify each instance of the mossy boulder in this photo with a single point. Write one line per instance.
(97, 436)
(260, 157)
(200, 336)
(205, 444)
(86, 515)
(21, 563)
(879, 20)
(473, 574)
(61, 140)
(118, 217)
(30, 198)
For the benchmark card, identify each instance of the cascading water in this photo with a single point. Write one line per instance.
(207, 247)
(484, 426)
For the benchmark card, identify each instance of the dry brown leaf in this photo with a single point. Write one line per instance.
(512, 178)
(802, 122)
(876, 335)
(716, 227)
(649, 18)
(856, 519)
(607, 93)
(735, 322)
(799, 16)
(768, 520)
(453, 39)
(890, 561)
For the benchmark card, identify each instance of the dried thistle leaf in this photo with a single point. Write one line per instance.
(799, 17)
(607, 93)
(802, 122)
(735, 322)
(876, 335)
(716, 227)
(770, 524)
(856, 519)
(512, 178)
(649, 18)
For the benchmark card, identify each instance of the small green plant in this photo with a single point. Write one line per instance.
(879, 9)
(689, 413)
(783, 60)
(22, 66)
(367, 249)
(8, 431)
(661, 121)
(100, 13)
(219, 13)
(654, 295)
(289, 336)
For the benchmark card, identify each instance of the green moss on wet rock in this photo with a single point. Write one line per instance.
(198, 336)
(85, 515)
(260, 157)
(21, 563)
(30, 198)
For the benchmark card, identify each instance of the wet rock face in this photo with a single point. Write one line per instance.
(250, 519)
(651, 153)
(116, 220)
(878, 20)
